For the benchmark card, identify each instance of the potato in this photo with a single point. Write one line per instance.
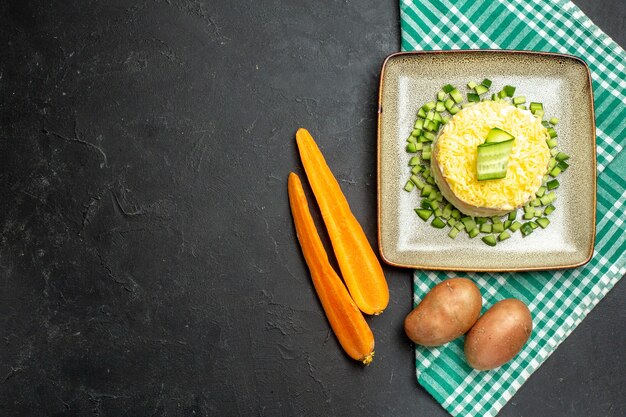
(498, 335)
(448, 310)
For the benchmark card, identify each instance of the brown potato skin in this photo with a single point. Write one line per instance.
(448, 311)
(499, 335)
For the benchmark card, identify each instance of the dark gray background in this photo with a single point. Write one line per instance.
(148, 262)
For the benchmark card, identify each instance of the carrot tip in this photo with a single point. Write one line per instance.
(368, 359)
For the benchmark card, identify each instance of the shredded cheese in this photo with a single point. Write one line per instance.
(528, 161)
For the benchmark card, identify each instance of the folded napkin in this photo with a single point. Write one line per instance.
(558, 300)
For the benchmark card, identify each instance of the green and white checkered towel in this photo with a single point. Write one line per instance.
(559, 300)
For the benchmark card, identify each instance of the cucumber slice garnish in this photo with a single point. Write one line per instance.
(496, 135)
(492, 160)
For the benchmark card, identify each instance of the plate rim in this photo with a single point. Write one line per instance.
(378, 160)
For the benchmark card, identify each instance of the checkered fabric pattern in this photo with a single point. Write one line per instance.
(559, 300)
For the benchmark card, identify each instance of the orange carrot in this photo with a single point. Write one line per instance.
(359, 265)
(346, 320)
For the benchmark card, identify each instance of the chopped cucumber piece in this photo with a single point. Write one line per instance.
(489, 240)
(551, 143)
(538, 213)
(521, 106)
(409, 186)
(430, 136)
(552, 132)
(456, 214)
(543, 222)
(434, 204)
(448, 104)
(561, 156)
(451, 222)
(554, 152)
(553, 184)
(485, 228)
(481, 89)
(471, 85)
(541, 191)
(513, 215)
(471, 97)
(497, 227)
(426, 190)
(551, 163)
(424, 214)
(410, 147)
(454, 110)
(448, 88)
(529, 215)
(419, 124)
(554, 121)
(437, 212)
(481, 220)
(502, 94)
(430, 115)
(445, 119)
(486, 82)
(447, 211)
(492, 160)
(504, 236)
(555, 171)
(425, 204)
(533, 225)
(416, 169)
(548, 210)
(526, 229)
(507, 224)
(426, 156)
(515, 226)
(536, 106)
(548, 199)
(429, 106)
(563, 165)
(535, 202)
(538, 113)
(509, 90)
(421, 113)
(416, 132)
(468, 222)
(456, 96)
(496, 135)
(519, 100)
(454, 232)
(467, 104)
(415, 180)
(411, 139)
(438, 223)
(431, 181)
(414, 161)
(496, 219)
(474, 232)
(441, 95)
(440, 106)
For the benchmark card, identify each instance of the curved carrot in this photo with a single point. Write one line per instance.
(346, 320)
(359, 265)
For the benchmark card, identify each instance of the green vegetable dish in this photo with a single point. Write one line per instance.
(485, 165)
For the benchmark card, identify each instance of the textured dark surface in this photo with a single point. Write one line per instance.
(148, 263)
